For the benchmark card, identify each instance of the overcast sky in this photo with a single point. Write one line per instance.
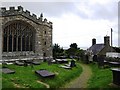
(76, 21)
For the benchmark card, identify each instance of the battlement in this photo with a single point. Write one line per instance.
(19, 11)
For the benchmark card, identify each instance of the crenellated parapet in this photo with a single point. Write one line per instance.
(19, 11)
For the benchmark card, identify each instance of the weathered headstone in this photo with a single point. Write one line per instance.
(49, 61)
(86, 59)
(25, 64)
(8, 71)
(72, 64)
(44, 73)
(95, 59)
(116, 76)
(100, 61)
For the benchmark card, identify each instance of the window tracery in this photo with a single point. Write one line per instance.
(18, 36)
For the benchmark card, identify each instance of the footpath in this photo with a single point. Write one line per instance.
(81, 81)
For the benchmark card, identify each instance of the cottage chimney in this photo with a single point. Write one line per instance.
(93, 41)
(107, 40)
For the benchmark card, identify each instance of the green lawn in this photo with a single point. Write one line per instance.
(25, 77)
(101, 78)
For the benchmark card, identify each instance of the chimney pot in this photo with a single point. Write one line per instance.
(93, 41)
(107, 40)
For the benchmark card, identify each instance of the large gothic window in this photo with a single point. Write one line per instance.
(18, 36)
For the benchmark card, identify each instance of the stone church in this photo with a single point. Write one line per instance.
(23, 35)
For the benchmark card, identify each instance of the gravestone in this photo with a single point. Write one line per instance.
(72, 64)
(44, 73)
(114, 64)
(116, 76)
(95, 59)
(25, 63)
(8, 71)
(4, 64)
(86, 59)
(100, 61)
(44, 59)
(49, 61)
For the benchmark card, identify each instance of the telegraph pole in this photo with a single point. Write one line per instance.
(111, 38)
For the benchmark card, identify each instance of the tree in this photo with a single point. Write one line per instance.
(74, 51)
(73, 45)
(57, 50)
(80, 53)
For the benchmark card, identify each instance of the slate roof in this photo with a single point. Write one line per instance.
(96, 48)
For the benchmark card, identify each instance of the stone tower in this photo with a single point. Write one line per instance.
(24, 35)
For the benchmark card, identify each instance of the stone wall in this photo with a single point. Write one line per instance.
(43, 29)
(105, 50)
(47, 41)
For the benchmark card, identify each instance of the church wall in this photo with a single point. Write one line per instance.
(43, 30)
(47, 41)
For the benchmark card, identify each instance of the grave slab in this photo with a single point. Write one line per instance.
(44, 73)
(7, 71)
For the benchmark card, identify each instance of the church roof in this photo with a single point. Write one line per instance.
(96, 48)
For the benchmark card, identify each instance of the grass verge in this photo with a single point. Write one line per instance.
(101, 78)
(25, 77)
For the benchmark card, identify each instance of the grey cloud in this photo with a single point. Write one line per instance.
(52, 9)
(107, 11)
(56, 9)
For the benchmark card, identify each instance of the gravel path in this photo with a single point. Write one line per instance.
(81, 81)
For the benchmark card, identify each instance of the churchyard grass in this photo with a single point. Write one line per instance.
(101, 78)
(25, 77)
